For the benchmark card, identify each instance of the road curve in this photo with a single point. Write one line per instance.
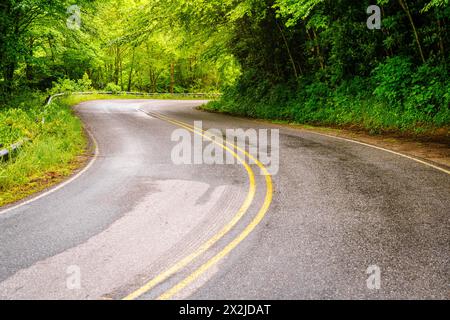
(337, 208)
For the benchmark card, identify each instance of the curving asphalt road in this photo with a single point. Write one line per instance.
(122, 227)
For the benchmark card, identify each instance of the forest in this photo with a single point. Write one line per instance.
(311, 61)
(317, 62)
(123, 45)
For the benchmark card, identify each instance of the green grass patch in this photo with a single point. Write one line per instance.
(55, 141)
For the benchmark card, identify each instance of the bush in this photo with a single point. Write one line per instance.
(112, 87)
(68, 85)
(396, 97)
(16, 125)
(84, 84)
(429, 91)
(392, 78)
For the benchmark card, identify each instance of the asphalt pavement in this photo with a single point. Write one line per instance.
(135, 224)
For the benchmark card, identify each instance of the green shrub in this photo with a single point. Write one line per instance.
(55, 137)
(68, 85)
(392, 79)
(396, 97)
(429, 91)
(112, 87)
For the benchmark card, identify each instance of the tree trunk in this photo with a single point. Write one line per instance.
(50, 45)
(8, 73)
(172, 77)
(28, 66)
(116, 65)
(131, 71)
(288, 50)
(441, 39)
(121, 75)
(315, 48)
(405, 7)
(154, 76)
(319, 50)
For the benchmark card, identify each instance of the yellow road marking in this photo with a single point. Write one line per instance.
(204, 247)
(202, 269)
(235, 242)
(268, 199)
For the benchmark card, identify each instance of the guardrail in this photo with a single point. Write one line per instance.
(5, 154)
(122, 93)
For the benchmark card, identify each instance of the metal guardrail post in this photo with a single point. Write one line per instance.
(6, 154)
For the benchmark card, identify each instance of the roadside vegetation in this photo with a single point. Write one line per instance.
(54, 143)
(394, 98)
(316, 62)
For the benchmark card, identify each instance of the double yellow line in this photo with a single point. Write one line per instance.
(229, 147)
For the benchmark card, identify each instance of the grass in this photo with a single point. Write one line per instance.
(55, 148)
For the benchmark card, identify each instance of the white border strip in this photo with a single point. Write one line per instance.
(382, 149)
